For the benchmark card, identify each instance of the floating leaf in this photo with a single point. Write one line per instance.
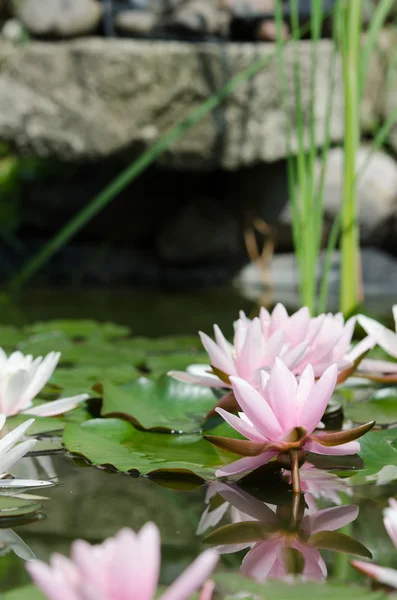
(79, 328)
(164, 403)
(176, 343)
(234, 585)
(10, 337)
(175, 361)
(80, 379)
(28, 592)
(117, 443)
(381, 406)
(377, 451)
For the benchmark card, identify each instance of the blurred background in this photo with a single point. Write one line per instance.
(89, 87)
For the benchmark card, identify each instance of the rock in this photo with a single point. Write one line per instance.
(377, 192)
(136, 22)
(13, 31)
(91, 98)
(200, 17)
(248, 7)
(58, 18)
(379, 277)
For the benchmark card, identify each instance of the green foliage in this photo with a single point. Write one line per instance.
(117, 443)
(161, 404)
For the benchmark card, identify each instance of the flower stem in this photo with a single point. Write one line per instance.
(296, 480)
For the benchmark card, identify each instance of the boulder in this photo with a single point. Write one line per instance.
(376, 189)
(58, 18)
(136, 22)
(91, 98)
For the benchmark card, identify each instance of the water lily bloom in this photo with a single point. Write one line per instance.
(383, 575)
(298, 340)
(124, 567)
(380, 370)
(22, 378)
(281, 417)
(279, 542)
(10, 451)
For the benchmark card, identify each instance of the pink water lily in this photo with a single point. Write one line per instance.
(270, 535)
(280, 418)
(380, 370)
(298, 340)
(124, 567)
(22, 378)
(384, 575)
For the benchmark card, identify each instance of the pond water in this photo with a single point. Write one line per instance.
(94, 503)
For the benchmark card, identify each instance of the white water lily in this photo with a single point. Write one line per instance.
(22, 378)
(10, 453)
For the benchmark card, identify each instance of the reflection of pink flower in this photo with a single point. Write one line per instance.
(265, 559)
(318, 483)
(384, 575)
(298, 340)
(281, 416)
(125, 567)
(22, 378)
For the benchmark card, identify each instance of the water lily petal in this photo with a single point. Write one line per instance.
(343, 450)
(381, 574)
(330, 519)
(245, 464)
(13, 455)
(193, 577)
(257, 410)
(208, 380)
(280, 393)
(243, 427)
(218, 358)
(313, 409)
(14, 436)
(57, 407)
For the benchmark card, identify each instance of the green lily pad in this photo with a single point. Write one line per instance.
(79, 328)
(175, 361)
(118, 443)
(10, 336)
(234, 585)
(80, 379)
(378, 450)
(164, 403)
(381, 407)
(28, 592)
(176, 343)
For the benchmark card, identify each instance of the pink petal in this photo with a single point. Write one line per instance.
(193, 577)
(386, 339)
(279, 318)
(382, 574)
(249, 359)
(222, 342)
(342, 450)
(53, 587)
(390, 520)
(280, 393)
(260, 559)
(241, 426)
(305, 386)
(204, 380)
(57, 407)
(298, 325)
(249, 505)
(248, 463)
(218, 358)
(313, 409)
(257, 409)
(330, 519)
(315, 567)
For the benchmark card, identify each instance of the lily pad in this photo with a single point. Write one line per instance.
(28, 592)
(10, 336)
(117, 443)
(176, 361)
(381, 406)
(77, 380)
(161, 404)
(378, 450)
(79, 328)
(176, 343)
(234, 585)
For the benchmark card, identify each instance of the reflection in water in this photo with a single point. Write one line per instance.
(11, 542)
(282, 540)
